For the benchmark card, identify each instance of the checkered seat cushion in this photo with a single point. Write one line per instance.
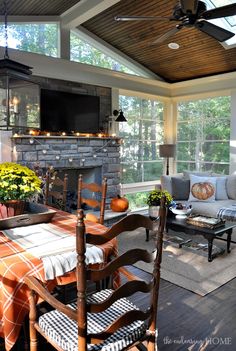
(63, 331)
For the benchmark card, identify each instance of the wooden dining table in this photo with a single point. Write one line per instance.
(16, 263)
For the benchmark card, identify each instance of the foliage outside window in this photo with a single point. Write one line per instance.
(40, 38)
(141, 134)
(83, 52)
(137, 200)
(203, 135)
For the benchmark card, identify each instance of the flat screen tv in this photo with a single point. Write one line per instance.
(67, 112)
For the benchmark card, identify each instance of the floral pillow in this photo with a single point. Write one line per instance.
(202, 188)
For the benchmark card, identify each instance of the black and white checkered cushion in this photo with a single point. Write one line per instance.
(63, 331)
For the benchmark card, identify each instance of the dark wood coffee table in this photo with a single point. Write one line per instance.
(179, 225)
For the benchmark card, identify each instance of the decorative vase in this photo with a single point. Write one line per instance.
(11, 208)
(153, 212)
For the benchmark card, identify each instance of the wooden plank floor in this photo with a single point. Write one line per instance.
(187, 320)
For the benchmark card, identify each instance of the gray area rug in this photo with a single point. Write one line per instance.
(183, 267)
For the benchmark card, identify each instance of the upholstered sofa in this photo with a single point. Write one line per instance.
(182, 185)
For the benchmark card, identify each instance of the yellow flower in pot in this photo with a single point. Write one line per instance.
(154, 199)
(17, 184)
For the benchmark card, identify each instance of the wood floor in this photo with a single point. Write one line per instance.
(187, 321)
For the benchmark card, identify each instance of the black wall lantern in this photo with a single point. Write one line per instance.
(120, 116)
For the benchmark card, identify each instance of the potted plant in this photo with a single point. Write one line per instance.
(153, 200)
(17, 184)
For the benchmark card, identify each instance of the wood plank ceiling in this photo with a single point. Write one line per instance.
(37, 7)
(198, 56)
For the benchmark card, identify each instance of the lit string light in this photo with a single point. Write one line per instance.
(103, 148)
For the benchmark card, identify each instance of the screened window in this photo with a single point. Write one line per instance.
(203, 134)
(40, 38)
(83, 52)
(141, 134)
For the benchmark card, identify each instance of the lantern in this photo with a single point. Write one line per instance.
(19, 97)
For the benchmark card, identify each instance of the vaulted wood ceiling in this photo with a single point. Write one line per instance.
(198, 56)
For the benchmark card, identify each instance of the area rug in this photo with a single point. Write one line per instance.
(183, 267)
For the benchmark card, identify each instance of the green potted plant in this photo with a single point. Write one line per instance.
(17, 184)
(153, 200)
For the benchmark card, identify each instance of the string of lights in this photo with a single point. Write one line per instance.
(34, 138)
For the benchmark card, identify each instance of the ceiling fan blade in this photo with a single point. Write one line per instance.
(189, 6)
(168, 34)
(140, 18)
(214, 31)
(223, 11)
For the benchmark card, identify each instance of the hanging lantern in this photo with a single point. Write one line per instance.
(19, 97)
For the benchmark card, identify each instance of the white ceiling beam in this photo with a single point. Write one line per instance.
(51, 67)
(116, 54)
(84, 10)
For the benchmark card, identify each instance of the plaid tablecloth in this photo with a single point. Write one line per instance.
(16, 264)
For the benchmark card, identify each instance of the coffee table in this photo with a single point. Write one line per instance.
(178, 225)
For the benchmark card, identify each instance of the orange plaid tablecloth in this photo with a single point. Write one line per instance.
(16, 264)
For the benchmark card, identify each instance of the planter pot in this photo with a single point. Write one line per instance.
(11, 208)
(153, 212)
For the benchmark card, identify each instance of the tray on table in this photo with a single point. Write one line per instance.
(34, 214)
(205, 221)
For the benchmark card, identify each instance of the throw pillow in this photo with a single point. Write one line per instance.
(231, 186)
(180, 188)
(196, 173)
(202, 188)
(221, 193)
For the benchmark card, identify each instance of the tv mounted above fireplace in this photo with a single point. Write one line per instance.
(67, 112)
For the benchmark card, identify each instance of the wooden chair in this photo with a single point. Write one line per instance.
(97, 199)
(106, 317)
(56, 191)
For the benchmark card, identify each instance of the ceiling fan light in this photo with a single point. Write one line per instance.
(173, 46)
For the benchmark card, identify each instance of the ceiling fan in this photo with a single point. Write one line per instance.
(191, 13)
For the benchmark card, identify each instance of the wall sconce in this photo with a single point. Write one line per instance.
(167, 150)
(120, 116)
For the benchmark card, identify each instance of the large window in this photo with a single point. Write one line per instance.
(41, 38)
(141, 134)
(203, 134)
(83, 52)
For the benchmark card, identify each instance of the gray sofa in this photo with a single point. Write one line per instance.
(225, 195)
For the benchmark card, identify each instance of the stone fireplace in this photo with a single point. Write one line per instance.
(94, 157)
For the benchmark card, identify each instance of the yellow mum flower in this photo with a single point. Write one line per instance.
(17, 182)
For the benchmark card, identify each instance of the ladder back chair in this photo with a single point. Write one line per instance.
(56, 191)
(94, 196)
(107, 319)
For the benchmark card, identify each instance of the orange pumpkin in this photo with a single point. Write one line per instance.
(119, 204)
(203, 191)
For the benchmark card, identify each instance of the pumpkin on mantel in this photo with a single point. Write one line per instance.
(119, 204)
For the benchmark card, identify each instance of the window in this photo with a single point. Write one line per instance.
(203, 134)
(83, 52)
(228, 23)
(141, 134)
(40, 38)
